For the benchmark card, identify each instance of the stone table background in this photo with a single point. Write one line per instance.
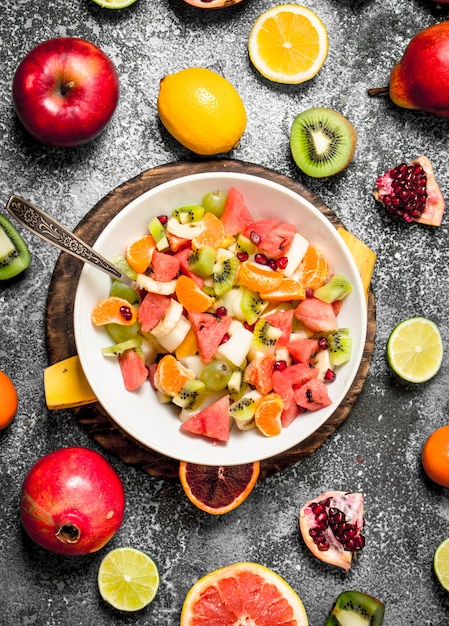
(376, 451)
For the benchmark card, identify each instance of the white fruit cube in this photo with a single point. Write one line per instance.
(237, 346)
(176, 336)
(295, 254)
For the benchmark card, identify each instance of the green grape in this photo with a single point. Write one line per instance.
(216, 375)
(214, 202)
(120, 333)
(121, 290)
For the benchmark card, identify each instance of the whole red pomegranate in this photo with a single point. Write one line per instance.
(331, 526)
(72, 501)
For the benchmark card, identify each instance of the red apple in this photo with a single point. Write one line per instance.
(65, 91)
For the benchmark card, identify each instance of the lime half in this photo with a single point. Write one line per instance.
(441, 563)
(128, 579)
(415, 349)
(114, 4)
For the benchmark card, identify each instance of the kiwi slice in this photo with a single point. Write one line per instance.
(14, 254)
(188, 214)
(337, 288)
(265, 335)
(191, 395)
(340, 344)
(252, 305)
(157, 231)
(225, 273)
(201, 261)
(245, 245)
(322, 142)
(122, 264)
(356, 608)
(119, 348)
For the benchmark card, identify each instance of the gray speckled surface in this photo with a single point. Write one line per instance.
(376, 451)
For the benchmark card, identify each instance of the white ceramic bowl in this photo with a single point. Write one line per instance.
(156, 426)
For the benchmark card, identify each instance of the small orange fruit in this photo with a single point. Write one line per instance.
(113, 310)
(171, 375)
(435, 456)
(9, 400)
(268, 414)
(140, 252)
(212, 234)
(288, 289)
(258, 277)
(243, 593)
(313, 270)
(218, 489)
(192, 298)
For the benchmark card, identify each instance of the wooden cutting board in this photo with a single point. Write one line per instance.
(60, 332)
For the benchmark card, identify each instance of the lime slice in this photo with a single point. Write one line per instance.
(114, 4)
(415, 349)
(441, 563)
(128, 579)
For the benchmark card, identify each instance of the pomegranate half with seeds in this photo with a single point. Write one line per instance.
(72, 501)
(411, 192)
(332, 525)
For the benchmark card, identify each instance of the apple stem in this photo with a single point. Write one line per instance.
(66, 87)
(377, 91)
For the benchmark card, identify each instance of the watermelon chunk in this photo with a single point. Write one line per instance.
(277, 242)
(312, 396)
(284, 321)
(302, 349)
(285, 382)
(209, 330)
(214, 421)
(151, 310)
(165, 266)
(316, 315)
(236, 215)
(133, 369)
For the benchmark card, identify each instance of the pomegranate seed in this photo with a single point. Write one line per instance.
(273, 264)
(242, 256)
(323, 343)
(126, 313)
(280, 366)
(254, 237)
(163, 219)
(330, 375)
(249, 327)
(225, 338)
(260, 258)
(221, 311)
(282, 262)
(309, 293)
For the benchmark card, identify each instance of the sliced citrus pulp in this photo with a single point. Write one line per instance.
(288, 289)
(268, 415)
(243, 593)
(218, 489)
(313, 270)
(212, 233)
(140, 252)
(113, 310)
(258, 277)
(415, 349)
(171, 375)
(441, 563)
(192, 298)
(128, 579)
(288, 44)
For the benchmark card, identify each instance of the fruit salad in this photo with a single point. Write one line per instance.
(235, 320)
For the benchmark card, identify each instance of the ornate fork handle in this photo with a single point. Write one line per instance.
(50, 230)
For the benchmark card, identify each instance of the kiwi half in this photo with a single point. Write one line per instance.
(14, 254)
(356, 607)
(322, 142)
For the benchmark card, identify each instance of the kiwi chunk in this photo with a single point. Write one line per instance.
(188, 214)
(191, 395)
(225, 274)
(14, 253)
(355, 608)
(159, 234)
(202, 260)
(337, 288)
(252, 305)
(119, 348)
(265, 335)
(340, 345)
(322, 142)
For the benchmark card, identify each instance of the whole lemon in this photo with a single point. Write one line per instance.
(202, 110)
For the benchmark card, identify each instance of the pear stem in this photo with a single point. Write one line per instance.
(377, 91)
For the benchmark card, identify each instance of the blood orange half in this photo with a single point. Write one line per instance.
(243, 593)
(218, 489)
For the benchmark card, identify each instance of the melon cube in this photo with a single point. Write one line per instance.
(295, 254)
(237, 346)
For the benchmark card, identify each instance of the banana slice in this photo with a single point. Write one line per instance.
(156, 286)
(185, 231)
(169, 321)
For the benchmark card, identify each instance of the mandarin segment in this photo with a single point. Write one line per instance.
(258, 277)
(113, 310)
(313, 270)
(140, 252)
(268, 415)
(192, 298)
(212, 233)
(171, 375)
